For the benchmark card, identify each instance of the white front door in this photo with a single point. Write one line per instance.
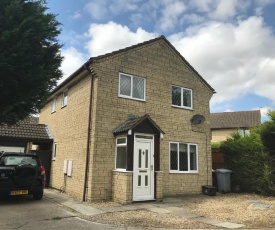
(143, 175)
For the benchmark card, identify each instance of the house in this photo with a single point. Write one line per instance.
(223, 125)
(129, 126)
(226, 123)
(28, 136)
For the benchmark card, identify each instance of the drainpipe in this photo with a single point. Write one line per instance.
(88, 136)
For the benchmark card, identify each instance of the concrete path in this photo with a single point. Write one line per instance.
(169, 205)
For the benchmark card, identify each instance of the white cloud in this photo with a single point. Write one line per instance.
(97, 9)
(235, 59)
(264, 112)
(76, 15)
(105, 38)
(224, 9)
(171, 14)
(73, 60)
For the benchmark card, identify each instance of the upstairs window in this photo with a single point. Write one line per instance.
(182, 97)
(54, 105)
(65, 98)
(183, 157)
(131, 87)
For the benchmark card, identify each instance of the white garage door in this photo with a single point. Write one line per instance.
(11, 149)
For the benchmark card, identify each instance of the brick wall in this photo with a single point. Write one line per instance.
(161, 68)
(122, 187)
(219, 135)
(69, 126)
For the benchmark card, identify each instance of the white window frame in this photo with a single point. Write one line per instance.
(54, 151)
(188, 158)
(131, 96)
(54, 101)
(121, 145)
(182, 106)
(64, 98)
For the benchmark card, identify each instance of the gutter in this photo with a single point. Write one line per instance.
(85, 188)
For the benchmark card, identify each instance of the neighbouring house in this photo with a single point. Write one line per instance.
(28, 136)
(223, 125)
(131, 125)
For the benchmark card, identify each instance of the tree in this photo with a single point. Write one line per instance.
(29, 57)
(268, 135)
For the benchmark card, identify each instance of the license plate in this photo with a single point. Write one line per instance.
(19, 192)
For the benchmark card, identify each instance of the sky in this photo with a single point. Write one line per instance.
(231, 43)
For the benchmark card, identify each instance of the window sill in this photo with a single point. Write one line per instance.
(189, 172)
(122, 170)
(131, 98)
(180, 107)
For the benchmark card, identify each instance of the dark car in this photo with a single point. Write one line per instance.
(21, 174)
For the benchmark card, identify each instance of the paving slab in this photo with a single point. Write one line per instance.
(112, 209)
(185, 214)
(260, 206)
(207, 220)
(83, 208)
(130, 207)
(229, 225)
(160, 210)
(174, 209)
(145, 206)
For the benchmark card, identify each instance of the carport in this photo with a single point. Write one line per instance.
(29, 136)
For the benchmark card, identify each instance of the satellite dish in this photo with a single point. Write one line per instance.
(198, 119)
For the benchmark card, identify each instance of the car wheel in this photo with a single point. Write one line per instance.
(38, 196)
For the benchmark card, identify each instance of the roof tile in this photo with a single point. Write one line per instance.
(241, 119)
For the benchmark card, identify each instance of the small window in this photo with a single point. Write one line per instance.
(54, 150)
(54, 105)
(121, 153)
(65, 98)
(183, 157)
(244, 132)
(182, 97)
(131, 87)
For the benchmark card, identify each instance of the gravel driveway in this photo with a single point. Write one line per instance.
(251, 210)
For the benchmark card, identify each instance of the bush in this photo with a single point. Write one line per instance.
(251, 165)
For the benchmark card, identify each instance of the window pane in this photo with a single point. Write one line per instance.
(183, 161)
(146, 158)
(176, 96)
(139, 180)
(138, 88)
(53, 105)
(121, 157)
(139, 158)
(193, 157)
(65, 98)
(173, 156)
(146, 180)
(125, 85)
(186, 97)
(144, 137)
(121, 141)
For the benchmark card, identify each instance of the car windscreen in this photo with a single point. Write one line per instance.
(18, 160)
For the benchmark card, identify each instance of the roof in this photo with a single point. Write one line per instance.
(92, 59)
(26, 129)
(241, 119)
(133, 122)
